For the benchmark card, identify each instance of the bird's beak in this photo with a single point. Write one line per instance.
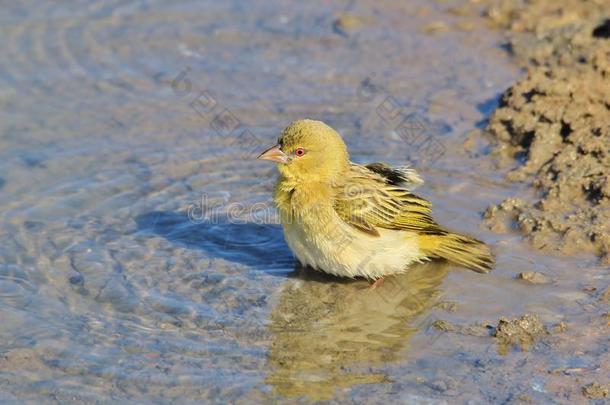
(274, 154)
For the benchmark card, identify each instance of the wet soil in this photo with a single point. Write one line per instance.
(556, 123)
(596, 391)
(140, 257)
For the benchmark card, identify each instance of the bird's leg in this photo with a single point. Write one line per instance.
(377, 283)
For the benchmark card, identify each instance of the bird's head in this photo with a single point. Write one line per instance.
(309, 151)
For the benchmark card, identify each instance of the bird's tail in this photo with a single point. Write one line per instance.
(458, 249)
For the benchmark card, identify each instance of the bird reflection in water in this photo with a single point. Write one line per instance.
(329, 332)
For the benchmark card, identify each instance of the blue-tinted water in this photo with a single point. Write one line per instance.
(140, 255)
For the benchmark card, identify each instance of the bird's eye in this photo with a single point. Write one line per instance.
(299, 152)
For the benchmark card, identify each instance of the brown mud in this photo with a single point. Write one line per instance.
(595, 390)
(556, 123)
(522, 332)
(551, 130)
(534, 277)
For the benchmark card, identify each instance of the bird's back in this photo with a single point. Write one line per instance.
(368, 223)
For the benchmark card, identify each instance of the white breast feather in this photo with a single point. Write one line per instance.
(346, 252)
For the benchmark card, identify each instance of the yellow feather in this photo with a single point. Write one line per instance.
(353, 220)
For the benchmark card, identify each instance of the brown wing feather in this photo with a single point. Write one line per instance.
(367, 200)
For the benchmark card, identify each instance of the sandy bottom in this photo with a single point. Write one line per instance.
(140, 256)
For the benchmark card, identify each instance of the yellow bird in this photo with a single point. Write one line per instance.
(351, 220)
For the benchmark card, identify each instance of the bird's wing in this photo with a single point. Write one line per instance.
(367, 200)
(402, 176)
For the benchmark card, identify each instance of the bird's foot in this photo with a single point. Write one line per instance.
(377, 283)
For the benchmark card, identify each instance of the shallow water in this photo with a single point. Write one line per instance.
(141, 258)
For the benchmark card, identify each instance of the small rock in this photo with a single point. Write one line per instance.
(438, 385)
(445, 326)
(347, 22)
(521, 332)
(595, 390)
(447, 386)
(437, 26)
(560, 327)
(448, 306)
(605, 296)
(77, 279)
(469, 330)
(574, 370)
(534, 277)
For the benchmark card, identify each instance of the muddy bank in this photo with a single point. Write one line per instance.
(551, 131)
(553, 125)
